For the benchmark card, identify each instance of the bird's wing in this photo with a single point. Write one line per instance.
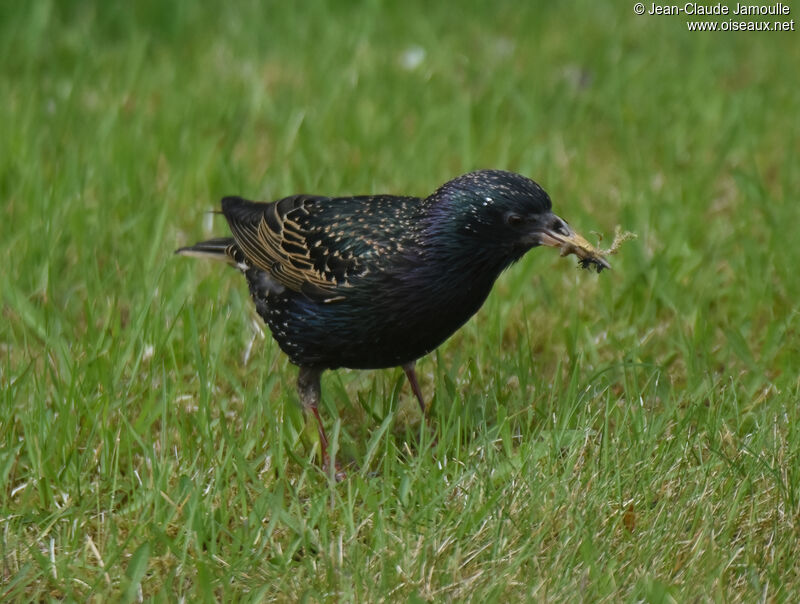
(319, 246)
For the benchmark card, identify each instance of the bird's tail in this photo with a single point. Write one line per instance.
(222, 248)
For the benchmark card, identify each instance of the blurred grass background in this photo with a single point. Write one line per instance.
(627, 436)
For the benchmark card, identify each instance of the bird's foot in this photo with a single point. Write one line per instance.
(337, 471)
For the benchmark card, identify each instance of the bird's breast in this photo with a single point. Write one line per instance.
(388, 319)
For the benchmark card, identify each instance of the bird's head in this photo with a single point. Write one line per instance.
(507, 212)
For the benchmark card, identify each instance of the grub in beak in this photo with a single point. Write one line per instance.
(558, 234)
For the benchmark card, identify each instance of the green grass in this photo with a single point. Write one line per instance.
(628, 436)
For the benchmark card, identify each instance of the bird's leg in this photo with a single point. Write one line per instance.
(308, 385)
(412, 378)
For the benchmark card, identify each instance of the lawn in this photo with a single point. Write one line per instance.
(633, 435)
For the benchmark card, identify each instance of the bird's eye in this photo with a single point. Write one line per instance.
(514, 220)
(559, 226)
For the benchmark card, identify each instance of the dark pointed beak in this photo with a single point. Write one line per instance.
(553, 231)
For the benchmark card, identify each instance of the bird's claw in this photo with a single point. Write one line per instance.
(338, 472)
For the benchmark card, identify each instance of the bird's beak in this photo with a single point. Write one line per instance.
(554, 231)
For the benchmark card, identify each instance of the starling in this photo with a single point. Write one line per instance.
(378, 281)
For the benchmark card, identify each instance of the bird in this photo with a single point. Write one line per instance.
(379, 281)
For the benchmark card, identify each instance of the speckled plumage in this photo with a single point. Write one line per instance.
(378, 281)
